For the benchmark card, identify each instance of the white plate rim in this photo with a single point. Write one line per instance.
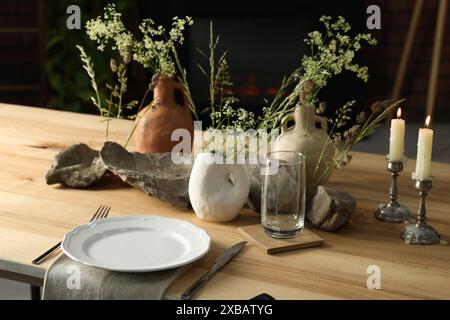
(137, 269)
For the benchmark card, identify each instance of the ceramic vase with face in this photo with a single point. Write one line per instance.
(308, 135)
(155, 124)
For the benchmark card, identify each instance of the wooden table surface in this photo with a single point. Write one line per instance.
(34, 216)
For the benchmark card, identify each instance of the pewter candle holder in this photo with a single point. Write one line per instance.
(421, 232)
(393, 211)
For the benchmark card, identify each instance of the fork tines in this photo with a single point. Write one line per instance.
(102, 212)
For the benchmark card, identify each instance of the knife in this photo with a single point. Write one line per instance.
(221, 261)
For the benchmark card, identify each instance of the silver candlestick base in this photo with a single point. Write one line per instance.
(393, 211)
(421, 232)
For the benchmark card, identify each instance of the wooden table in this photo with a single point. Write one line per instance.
(34, 216)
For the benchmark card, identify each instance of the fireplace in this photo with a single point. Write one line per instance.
(261, 51)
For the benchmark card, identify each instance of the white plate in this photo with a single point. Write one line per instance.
(136, 244)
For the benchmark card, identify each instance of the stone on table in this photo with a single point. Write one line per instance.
(254, 177)
(155, 173)
(77, 166)
(330, 209)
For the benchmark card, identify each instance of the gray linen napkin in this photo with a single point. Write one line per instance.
(66, 279)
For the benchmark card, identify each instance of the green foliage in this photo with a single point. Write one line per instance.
(114, 106)
(344, 141)
(224, 113)
(153, 50)
(69, 86)
(331, 52)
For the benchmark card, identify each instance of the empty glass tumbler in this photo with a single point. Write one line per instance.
(283, 194)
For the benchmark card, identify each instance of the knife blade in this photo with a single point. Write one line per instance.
(219, 263)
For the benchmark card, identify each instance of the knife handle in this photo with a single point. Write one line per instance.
(187, 295)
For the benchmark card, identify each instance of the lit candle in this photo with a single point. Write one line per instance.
(397, 139)
(424, 149)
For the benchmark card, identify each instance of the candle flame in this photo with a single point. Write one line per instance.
(427, 121)
(399, 113)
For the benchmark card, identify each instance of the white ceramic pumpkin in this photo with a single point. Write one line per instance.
(217, 191)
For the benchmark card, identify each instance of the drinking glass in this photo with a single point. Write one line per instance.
(283, 194)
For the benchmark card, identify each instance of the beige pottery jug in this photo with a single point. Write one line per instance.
(308, 136)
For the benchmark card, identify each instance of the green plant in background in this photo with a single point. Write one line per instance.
(69, 87)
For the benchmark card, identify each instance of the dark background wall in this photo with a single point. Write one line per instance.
(31, 74)
(383, 60)
(21, 64)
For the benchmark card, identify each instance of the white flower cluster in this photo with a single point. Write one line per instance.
(333, 52)
(154, 51)
(106, 28)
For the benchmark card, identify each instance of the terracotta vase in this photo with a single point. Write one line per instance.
(308, 136)
(156, 124)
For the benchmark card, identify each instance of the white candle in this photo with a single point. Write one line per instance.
(397, 139)
(424, 149)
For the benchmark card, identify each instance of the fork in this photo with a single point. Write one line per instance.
(102, 212)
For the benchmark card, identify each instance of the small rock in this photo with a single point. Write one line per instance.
(76, 166)
(254, 178)
(330, 209)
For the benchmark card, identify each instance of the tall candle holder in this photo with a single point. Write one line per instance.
(421, 232)
(393, 211)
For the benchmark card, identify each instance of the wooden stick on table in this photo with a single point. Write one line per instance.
(400, 77)
(435, 62)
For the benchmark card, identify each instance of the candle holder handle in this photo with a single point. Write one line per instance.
(421, 232)
(393, 211)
